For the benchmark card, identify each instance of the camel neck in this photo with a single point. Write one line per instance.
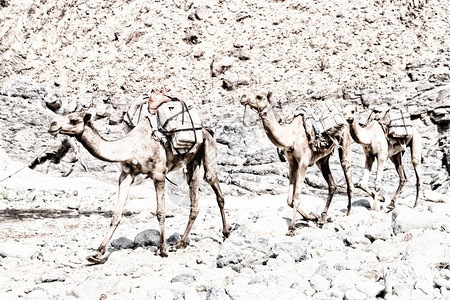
(111, 151)
(360, 135)
(275, 132)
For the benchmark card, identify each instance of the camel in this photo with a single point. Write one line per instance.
(376, 145)
(139, 153)
(292, 138)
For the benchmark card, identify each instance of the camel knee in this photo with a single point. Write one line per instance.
(345, 165)
(402, 181)
(221, 201)
(210, 177)
(332, 189)
(115, 220)
(160, 216)
(194, 214)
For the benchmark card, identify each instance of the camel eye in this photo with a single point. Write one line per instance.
(73, 121)
(259, 97)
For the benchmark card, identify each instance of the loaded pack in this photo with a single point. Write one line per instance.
(323, 122)
(173, 119)
(396, 122)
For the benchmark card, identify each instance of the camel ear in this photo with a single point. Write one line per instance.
(87, 117)
(269, 95)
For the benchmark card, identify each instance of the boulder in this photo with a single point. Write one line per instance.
(242, 250)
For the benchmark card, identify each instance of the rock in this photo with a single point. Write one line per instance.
(442, 283)
(405, 219)
(356, 239)
(202, 12)
(58, 275)
(435, 196)
(215, 294)
(242, 250)
(17, 250)
(73, 204)
(319, 283)
(122, 243)
(148, 237)
(221, 64)
(291, 246)
(354, 294)
(175, 238)
(185, 278)
(400, 278)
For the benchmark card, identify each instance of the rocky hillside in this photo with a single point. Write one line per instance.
(58, 56)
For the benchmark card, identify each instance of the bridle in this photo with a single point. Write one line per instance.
(260, 113)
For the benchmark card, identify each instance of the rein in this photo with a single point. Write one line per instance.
(260, 114)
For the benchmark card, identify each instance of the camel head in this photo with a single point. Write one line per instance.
(259, 101)
(350, 112)
(71, 124)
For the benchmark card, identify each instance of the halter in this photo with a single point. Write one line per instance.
(260, 113)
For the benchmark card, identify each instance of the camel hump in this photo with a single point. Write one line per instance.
(330, 117)
(160, 96)
(181, 123)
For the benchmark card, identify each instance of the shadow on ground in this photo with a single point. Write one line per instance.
(23, 214)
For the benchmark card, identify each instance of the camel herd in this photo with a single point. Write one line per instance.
(139, 153)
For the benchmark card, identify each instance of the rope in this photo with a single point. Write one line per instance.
(26, 166)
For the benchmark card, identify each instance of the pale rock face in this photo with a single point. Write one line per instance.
(58, 57)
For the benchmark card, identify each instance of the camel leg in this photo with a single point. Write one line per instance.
(397, 160)
(293, 171)
(379, 176)
(324, 166)
(301, 172)
(416, 158)
(210, 166)
(346, 162)
(366, 173)
(161, 214)
(193, 174)
(125, 182)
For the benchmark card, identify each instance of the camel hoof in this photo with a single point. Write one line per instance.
(381, 198)
(314, 217)
(162, 253)
(323, 219)
(226, 234)
(179, 245)
(390, 207)
(94, 259)
(291, 231)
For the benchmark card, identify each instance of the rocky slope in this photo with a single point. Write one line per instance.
(61, 56)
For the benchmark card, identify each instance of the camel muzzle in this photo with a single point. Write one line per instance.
(52, 129)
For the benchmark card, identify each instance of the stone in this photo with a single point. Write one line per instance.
(185, 278)
(242, 250)
(319, 283)
(17, 250)
(122, 243)
(202, 12)
(221, 64)
(401, 277)
(175, 238)
(354, 294)
(215, 294)
(291, 246)
(148, 237)
(405, 219)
